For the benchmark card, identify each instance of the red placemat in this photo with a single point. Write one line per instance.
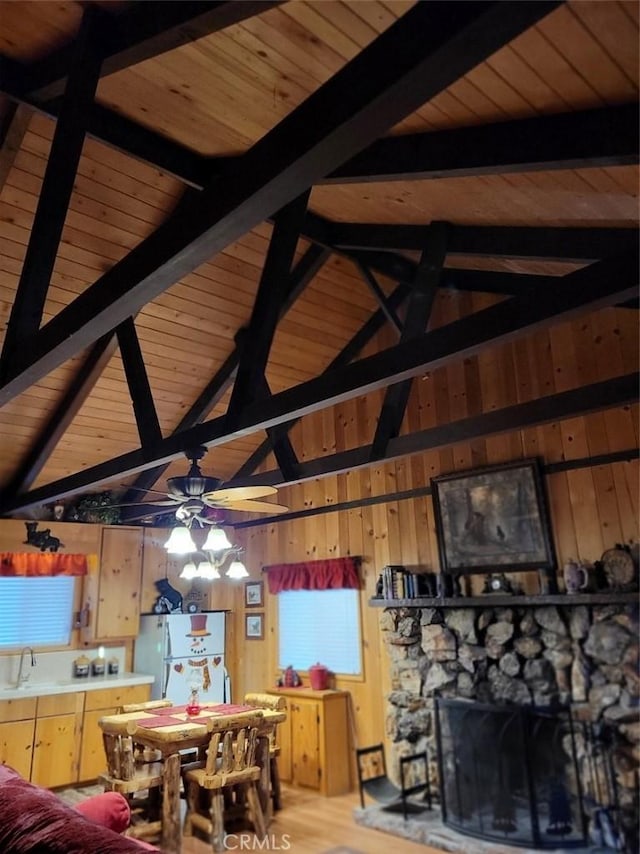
(158, 721)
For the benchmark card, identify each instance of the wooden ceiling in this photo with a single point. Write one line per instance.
(277, 168)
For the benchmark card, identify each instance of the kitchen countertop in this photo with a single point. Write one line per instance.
(69, 686)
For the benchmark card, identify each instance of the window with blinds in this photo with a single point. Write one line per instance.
(320, 626)
(36, 611)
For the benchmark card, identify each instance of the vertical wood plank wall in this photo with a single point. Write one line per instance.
(591, 508)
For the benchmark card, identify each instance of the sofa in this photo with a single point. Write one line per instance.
(35, 820)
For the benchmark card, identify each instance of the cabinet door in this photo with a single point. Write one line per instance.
(16, 746)
(120, 576)
(92, 757)
(305, 743)
(55, 752)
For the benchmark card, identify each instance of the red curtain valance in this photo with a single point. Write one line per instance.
(41, 564)
(314, 575)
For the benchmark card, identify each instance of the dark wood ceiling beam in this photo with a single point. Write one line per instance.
(596, 397)
(62, 416)
(13, 127)
(267, 306)
(580, 140)
(304, 272)
(553, 244)
(280, 442)
(601, 284)
(144, 407)
(346, 355)
(66, 148)
(419, 307)
(139, 32)
(379, 296)
(418, 56)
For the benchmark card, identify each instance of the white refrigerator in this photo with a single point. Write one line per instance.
(184, 651)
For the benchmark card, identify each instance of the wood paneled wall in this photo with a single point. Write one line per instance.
(592, 507)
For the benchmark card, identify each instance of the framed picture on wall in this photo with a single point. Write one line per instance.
(493, 519)
(253, 594)
(254, 626)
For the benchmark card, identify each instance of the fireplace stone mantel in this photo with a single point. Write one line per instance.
(501, 600)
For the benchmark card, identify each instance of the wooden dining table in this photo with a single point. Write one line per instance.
(171, 730)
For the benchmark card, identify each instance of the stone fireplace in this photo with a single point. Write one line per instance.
(580, 657)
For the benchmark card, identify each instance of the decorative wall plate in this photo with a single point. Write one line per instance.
(618, 566)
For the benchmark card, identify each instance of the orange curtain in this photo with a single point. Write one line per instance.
(340, 572)
(42, 563)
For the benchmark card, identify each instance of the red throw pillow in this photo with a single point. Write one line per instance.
(110, 809)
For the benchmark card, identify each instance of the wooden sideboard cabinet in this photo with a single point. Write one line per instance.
(315, 749)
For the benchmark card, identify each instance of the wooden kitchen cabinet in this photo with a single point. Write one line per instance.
(57, 740)
(105, 701)
(314, 740)
(118, 609)
(17, 726)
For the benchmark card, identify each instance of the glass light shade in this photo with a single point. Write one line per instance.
(237, 570)
(207, 570)
(189, 570)
(216, 540)
(180, 541)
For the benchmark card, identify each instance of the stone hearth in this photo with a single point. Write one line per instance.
(427, 828)
(582, 656)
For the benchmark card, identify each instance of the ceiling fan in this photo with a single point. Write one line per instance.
(192, 494)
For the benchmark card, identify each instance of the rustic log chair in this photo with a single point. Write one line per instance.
(133, 770)
(373, 779)
(277, 703)
(229, 769)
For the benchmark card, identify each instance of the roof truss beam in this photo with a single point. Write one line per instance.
(580, 140)
(135, 371)
(66, 410)
(551, 244)
(57, 186)
(419, 55)
(619, 391)
(266, 310)
(420, 305)
(601, 284)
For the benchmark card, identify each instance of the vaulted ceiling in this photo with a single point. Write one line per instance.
(209, 209)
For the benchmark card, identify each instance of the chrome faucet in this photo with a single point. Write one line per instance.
(22, 676)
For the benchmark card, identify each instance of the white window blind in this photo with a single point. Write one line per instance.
(36, 611)
(320, 626)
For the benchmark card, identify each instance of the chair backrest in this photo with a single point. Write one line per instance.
(265, 701)
(232, 747)
(148, 705)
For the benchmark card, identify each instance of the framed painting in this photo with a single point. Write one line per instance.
(493, 519)
(254, 626)
(253, 594)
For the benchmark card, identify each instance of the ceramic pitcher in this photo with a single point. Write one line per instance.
(575, 576)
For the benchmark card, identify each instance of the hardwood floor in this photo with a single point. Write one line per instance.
(309, 824)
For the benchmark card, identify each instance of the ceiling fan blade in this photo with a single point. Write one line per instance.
(166, 503)
(139, 489)
(255, 506)
(159, 511)
(235, 493)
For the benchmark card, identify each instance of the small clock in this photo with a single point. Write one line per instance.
(498, 583)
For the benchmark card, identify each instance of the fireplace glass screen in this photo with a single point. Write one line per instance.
(509, 774)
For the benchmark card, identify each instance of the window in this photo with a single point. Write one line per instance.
(36, 611)
(320, 626)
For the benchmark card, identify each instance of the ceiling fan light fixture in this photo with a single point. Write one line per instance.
(207, 570)
(189, 571)
(237, 570)
(180, 541)
(217, 540)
